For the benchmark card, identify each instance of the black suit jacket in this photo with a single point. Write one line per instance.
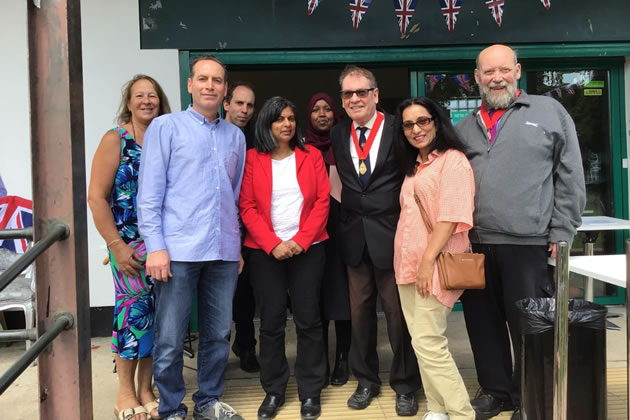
(368, 215)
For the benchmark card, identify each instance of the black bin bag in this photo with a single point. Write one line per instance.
(586, 385)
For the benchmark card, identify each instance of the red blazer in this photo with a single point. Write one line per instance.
(255, 199)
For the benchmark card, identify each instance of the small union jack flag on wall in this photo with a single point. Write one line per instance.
(463, 80)
(433, 80)
(546, 3)
(496, 8)
(357, 10)
(450, 10)
(312, 5)
(404, 13)
(15, 213)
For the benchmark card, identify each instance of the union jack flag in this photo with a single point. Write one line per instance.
(496, 7)
(312, 5)
(546, 3)
(357, 10)
(404, 13)
(433, 80)
(15, 213)
(450, 10)
(464, 81)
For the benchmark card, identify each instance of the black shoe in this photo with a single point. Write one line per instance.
(362, 397)
(342, 372)
(487, 405)
(311, 408)
(516, 415)
(406, 404)
(269, 407)
(249, 363)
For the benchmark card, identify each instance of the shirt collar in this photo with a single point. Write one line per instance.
(369, 124)
(432, 156)
(200, 118)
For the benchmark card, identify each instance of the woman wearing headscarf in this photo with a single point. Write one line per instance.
(322, 116)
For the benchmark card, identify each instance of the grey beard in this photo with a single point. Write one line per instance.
(501, 101)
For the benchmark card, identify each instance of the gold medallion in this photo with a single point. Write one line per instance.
(362, 168)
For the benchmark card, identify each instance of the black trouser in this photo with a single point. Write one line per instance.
(343, 333)
(244, 310)
(301, 276)
(513, 272)
(365, 282)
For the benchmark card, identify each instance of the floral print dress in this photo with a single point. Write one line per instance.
(132, 336)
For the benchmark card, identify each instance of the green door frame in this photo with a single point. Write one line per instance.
(554, 56)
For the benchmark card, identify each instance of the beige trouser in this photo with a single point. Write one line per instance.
(443, 385)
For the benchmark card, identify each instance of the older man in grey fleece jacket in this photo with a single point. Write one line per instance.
(529, 195)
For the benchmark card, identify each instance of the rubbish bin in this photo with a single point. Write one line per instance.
(586, 381)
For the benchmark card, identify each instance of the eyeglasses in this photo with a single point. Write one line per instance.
(420, 122)
(361, 93)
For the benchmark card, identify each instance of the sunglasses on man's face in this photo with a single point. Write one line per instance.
(361, 93)
(420, 122)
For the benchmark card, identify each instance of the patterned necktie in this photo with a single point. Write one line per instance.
(366, 176)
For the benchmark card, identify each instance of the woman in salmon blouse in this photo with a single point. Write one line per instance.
(284, 207)
(430, 155)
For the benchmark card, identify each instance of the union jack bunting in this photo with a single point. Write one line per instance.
(496, 7)
(546, 3)
(357, 10)
(404, 13)
(312, 5)
(433, 80)
(463, 80)
(15, 213)
(450, 10)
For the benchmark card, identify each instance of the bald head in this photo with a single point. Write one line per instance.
(496, 50)
(497, 75)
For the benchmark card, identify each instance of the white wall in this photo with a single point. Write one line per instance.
(111, 56)
(15, 130)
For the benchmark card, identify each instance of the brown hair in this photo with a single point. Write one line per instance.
(123, 115)
(359, 71)
(207, 57)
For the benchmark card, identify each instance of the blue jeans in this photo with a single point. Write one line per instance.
(214, 282)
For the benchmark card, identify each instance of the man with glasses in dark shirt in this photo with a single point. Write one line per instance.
(369, 214)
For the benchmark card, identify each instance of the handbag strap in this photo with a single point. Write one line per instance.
(423, 213)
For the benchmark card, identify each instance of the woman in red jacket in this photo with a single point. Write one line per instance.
(284, 207)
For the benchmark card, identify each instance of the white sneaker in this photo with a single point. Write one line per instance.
(432, 415)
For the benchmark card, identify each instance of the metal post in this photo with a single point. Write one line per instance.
(628, 326)
(59, 193)
(588, 286)
(561, 333)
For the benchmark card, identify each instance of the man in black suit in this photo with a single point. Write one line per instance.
(369, 214)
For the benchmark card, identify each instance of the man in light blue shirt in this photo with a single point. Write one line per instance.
(190, 179)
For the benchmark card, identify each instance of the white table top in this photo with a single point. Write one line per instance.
(607, 268)
(590, 223)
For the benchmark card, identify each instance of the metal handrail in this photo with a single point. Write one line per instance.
(58, 231)
(63, 321)
(26, 233)
(29, 334)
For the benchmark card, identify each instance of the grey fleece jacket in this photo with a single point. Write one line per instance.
(529, 183)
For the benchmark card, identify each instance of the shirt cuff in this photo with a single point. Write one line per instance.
(154, 244)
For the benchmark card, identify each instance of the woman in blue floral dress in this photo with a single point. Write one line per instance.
(112, 199)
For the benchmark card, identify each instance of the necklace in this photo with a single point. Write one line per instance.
(133, 128)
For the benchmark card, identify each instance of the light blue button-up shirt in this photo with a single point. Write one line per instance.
(190, 179)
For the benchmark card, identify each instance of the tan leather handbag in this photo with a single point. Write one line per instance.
(463, 270)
